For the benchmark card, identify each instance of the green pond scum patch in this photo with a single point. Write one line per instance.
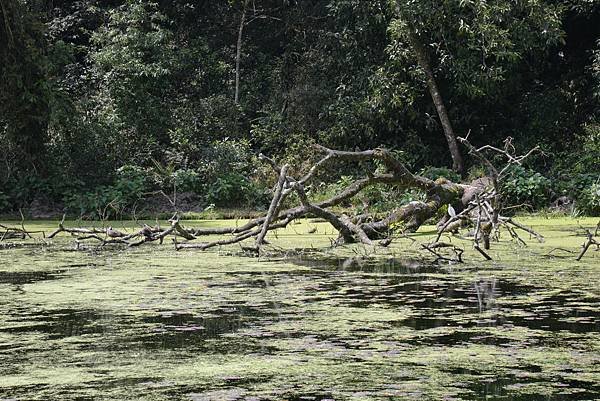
(307, 322)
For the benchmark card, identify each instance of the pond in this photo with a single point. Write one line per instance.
(151, 323)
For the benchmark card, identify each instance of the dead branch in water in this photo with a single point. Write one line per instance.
(591, 240)
(477, 204)
(18, 233)
(435, 247)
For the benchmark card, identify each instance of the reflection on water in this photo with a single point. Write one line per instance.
(302, 329)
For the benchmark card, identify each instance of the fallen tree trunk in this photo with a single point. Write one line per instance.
(478, 204)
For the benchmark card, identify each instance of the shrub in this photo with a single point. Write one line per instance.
(573, 185)
(524, 186)
(589, 200)
(588, 160)
(224, 171)
(133, 173)
(323, 190)
(186, 180)
(227, 157)
(131, 183)
(475, 172)
(376, 198)
(26, 189)
(433, 173)
(236, 190)
(4, 202)
(103, 202)
(108, 201)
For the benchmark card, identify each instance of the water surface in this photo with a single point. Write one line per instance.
(155, 324)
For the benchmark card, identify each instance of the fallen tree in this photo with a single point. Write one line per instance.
(478, 204)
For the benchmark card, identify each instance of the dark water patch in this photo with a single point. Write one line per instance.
(241, 283)
(432, 322)
(20, 245)
(557, 322)
(22, 392)
(436, 294)
(310, 397)
(367, 265)
(58, 323)
(180, 330)
(20, 278)
(233, 394)
(192, 344)
(551, 323)
(567, 311)
(187, 323)
(125, 388)
(513, 388)
(286, 272)
(90, 264)
(523, 383)
(230, 388)
(459, 337)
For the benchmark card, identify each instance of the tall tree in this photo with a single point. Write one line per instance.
(238, 50)
(468, 48)
(134, 62)
(422, 57)
(24, 89)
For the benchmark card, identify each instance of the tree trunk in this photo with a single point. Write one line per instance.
(7, 28)
(423, 60)
(238, 54)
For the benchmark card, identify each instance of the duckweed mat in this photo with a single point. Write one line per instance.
(315, 323)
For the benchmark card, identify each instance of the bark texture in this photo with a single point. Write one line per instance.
(424, 62)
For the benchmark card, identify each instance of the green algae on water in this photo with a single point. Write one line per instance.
(348, 323)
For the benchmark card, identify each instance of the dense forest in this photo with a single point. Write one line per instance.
(296, 200)
(103, 103)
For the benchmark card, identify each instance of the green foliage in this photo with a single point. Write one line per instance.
(589, 200)
(101, 102)
(381, 198)
(235, 189)
(25, 189)
(20, 192)
(596, 70)
(5, 202)
(134, 61)
(131, 183)
(227, 156)
(109, 201)
(24, 88)
(201, 124)
(582, 188)
(526, 187)
(186, 180)
(588, 160)
(477, 43)
(573, 185)
(323, 190)
(373, 199)
(433, 173)
(475, 172)
(576, 170)
(134, 175)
